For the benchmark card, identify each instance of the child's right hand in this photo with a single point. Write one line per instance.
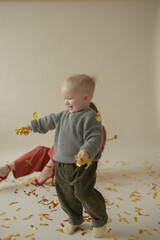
(28, 127)
(27, 130)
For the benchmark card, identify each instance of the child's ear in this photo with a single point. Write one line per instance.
(87, 97)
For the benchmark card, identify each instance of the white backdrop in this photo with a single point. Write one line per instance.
(43, 42)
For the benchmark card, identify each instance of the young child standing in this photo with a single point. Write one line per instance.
(78, 132)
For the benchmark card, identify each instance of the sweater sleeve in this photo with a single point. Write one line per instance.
(43, 125)
(93, 136)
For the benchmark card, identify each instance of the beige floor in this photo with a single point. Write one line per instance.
(28, 212)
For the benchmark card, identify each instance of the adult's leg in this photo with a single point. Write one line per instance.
(33, 161)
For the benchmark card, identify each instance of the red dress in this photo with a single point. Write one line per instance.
(36, 160)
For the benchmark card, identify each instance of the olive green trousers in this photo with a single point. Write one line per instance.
(75, 189)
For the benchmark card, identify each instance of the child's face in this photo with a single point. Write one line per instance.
(74, 98)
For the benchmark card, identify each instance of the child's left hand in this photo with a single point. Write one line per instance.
(82, 154)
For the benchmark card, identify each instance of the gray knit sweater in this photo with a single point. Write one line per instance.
(74, 131)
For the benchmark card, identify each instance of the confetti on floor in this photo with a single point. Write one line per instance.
(129, 191)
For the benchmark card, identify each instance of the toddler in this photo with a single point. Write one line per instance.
(78, 132)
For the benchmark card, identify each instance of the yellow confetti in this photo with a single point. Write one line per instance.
(2, 213)
(6, 219)
(43, 224)
(127, 213)
(35, 228)
(17, 235)
(22, 131)
(3, 189)
(106, 236)
(109, 220)
(12, 203)
(60, 230)
(133, 236)
(109, 229)
(155, 194)
(98, 118)
(114, 237)
(28, 217)
(135, 219)
(29, 162)
(126, 221)
(156, 230)
(29, 235)
(88, 162)
(148, 232)
(35, 116)
(113, 138)
(140, 231)
(4, 226)
(8, 238)
(18, 209)
(120, 199)
(83, 233)
(48, 218)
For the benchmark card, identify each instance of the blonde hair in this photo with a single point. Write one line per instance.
(86, 82)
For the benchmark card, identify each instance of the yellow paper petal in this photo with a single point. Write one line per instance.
(4, 226)
(83, 233)
(12, 203)
(28, 217)
(109, 229)
(156, 230)
(35, 116)
(114, 237)
(106, 236)
(127, 213)
(88, 162)
(148, 232)
(133, 236)
(17, 235)
(29, 235)
(126, 221)
(135, 219)
(22, 131)
(8, 238)
(2, 213)
(155, 194)
(18, 209)
(98, 118)
(29, 162)
(35, 228)
(60, 230)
